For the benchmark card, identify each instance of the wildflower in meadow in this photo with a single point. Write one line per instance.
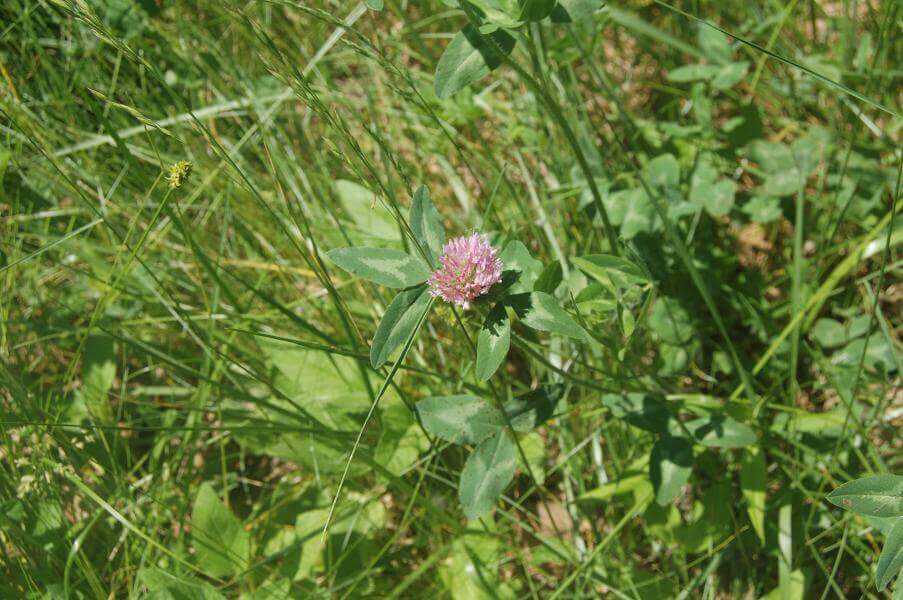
(470, 266)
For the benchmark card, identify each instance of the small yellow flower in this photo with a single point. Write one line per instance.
(178, 173)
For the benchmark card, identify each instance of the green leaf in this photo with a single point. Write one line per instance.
(515, 257)
(426, 223)
(536, 10)
(784, 183)
(373, 222)
(375, 4)
(687, 73)
(721, 199)
(663, 171)
(646, 411)
(670, 467)
(535, 451)
(706, 191)
(469, 570)
(549, 279)
(468, 58)
(162, 585)
(671, 322)
(539, 310)
(891, 560)
(329, 388)
(772, 157)
(486, 474)
(98, 374)
(828, 333)
(568, 11)
(220, 543)
(753, 478)
(534, 408)
(493, 342)
(460, 419)
(386, 266)
(401, 438)
(763, 209)
(878, 352)
(876, 496)
(721, 432)
(715, 45)
(730, 75)
(639, 215)
(398, 323)
(605, 268)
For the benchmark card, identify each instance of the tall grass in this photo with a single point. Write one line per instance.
(155, 338)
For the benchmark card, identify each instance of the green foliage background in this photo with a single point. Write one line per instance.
(184, 373)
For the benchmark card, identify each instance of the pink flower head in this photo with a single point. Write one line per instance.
(470, 266)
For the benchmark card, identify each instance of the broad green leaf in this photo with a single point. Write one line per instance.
(374, 4)
(515, 257)
(401, 438)
(426, 223)
(828, 333)
(549, 279)
(163, 585)
(708, 522)
(468, 58)
(639, 215)
(605, 268)
(829, 423)
(721, 432)
(715, 45)
(534, 408)
(469, 572)
(98, 374)
(670, 467)
(385, 266)
(875, 496)
(663, 171)
(810, 149)
(716, 197)
(536, 10)
(878, 352)
(596, 298)
(706, 191)
(646, 411)
(670, 321)
(753, 478)
(568, 11)
(730, 75)
(535, 451)
(771, 156)
(890, 562)
(460, 419)
(763, 209)
(321, 394)
(541, 311)
(784, 183)
(486, 474)
(373, 222)
(493, 342)
(398, 323)
(220, 542)
(686, 73)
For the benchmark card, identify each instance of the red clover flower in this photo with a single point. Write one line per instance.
(470, 266)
